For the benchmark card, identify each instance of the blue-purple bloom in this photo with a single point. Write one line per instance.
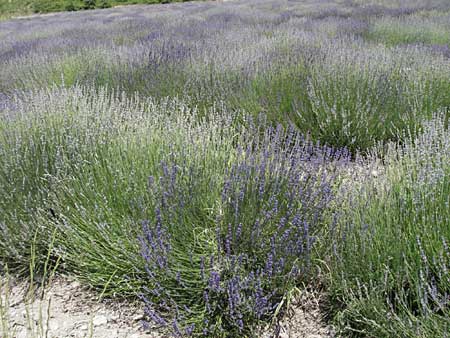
(268, 206)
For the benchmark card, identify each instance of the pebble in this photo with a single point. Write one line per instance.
(114, 317)
(134, 335)
(53, 326)
(75, 285)
(283, 335)
(100, 320)
(84, 327)
(138, 317)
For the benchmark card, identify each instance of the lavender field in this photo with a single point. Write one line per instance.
(214, 159)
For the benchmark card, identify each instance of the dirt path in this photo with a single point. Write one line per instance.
(69, 310)
(304, 319)
(66, 310)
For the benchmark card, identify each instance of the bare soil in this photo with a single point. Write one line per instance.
(66, 309)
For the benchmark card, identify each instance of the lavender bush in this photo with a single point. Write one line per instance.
(219, 269)
(60, 150)
(392, 270)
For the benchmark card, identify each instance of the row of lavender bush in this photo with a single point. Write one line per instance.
(390, 264)
(216, 223)
(212, 221)
(344, 73)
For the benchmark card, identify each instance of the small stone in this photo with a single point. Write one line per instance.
(134, 335)
(84, 327)
(283, 335)
(115, 317)
(138, 318)
(76, 285)
(53, 326)
(100, 320)
(22, 334)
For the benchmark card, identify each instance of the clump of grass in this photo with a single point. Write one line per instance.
(361, 103)
(37, 309)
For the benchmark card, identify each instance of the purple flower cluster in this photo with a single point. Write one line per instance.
(266, 215)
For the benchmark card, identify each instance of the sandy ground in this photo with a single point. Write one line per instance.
(304, 319)
(66, 309)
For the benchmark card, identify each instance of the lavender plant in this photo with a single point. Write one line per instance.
(60, 150)
(418, 28)
(221, 268)
(391, 272)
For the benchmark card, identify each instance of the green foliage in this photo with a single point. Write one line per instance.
(410, 30)
(70, 7)
(90, 189)
(104, 4)
(391, 259)
(89, 4)
(21, 7)
(77, 163)
(45, 6)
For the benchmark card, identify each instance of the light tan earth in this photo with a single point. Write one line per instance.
(66, 309)
(304, 319)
